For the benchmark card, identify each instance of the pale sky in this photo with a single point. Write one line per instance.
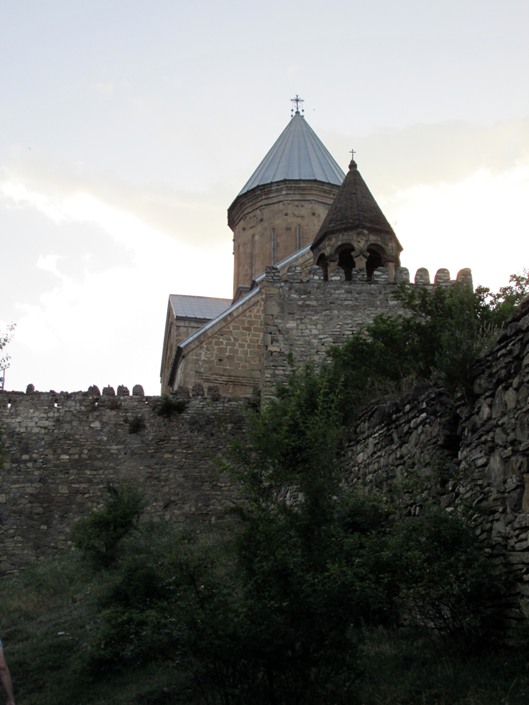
(127, 128)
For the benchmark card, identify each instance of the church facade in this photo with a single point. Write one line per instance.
(314, 260)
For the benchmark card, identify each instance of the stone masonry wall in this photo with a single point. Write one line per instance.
(304, 318)
(304, 315)
(59, 451)
(228, 354)
(272, 221)
(469, 457)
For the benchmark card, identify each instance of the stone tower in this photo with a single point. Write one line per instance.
(283, 204)
(355, 234)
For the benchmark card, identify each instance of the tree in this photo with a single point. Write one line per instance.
(438, 336)
(5, 338)
(505, 301)
(447, 581)
(99, 535)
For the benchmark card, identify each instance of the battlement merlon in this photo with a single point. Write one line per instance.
(381, 275)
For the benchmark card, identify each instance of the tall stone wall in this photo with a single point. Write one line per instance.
(305, 315)
(60, 451)
(469, 456)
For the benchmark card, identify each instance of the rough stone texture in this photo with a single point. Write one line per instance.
(303, 319)
(273, 221)
(304, 315)
(176, 330)
(470, 457)
(61, 450)
(228, 354)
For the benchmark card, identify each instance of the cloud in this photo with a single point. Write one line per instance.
(480, 221)
(92, 282)
(67, 193)
(106, 88)
(49, 263)
(394, 159)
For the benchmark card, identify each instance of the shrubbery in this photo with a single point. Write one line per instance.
(99, 535)
(315, 592)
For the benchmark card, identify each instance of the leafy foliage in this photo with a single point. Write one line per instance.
(285, 614)
(136, 424)
(170, 405)
(506, 300)
(447, 581)
(438, 336)
(100, 535)
(304, 598)
(5, 337)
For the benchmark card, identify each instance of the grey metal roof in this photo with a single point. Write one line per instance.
(205, 307)
(298, 153)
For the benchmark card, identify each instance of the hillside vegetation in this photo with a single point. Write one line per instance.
(309, 594)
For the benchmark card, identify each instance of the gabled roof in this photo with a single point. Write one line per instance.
(205, 307)
(255, 289)
(298, 154)
(353, 208)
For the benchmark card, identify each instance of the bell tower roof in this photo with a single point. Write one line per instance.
(354, 208)
(297, 154)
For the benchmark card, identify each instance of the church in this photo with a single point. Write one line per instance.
(314, 260)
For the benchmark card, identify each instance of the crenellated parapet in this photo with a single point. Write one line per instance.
(61, 450)
(308, 312)
(381, 275)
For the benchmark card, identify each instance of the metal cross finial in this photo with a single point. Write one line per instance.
(297, 100)
(353, 152)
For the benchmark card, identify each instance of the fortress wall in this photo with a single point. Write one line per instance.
(471, 457)
(59, 451)
(305, 315)
(303, 318)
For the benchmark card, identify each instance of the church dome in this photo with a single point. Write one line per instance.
(282, 205)
(297, 154)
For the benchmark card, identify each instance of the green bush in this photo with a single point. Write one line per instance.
(99, 535)
(136, 424)
(169, 405)
(447, 580)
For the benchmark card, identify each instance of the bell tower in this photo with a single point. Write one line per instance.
(355, 234)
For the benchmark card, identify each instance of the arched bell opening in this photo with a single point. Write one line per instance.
(375, 259)
(323, 262)
(346, 261)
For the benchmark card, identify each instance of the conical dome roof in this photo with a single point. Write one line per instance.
(354, 208)
(298, 154)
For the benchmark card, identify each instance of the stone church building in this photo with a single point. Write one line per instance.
(314, 259)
